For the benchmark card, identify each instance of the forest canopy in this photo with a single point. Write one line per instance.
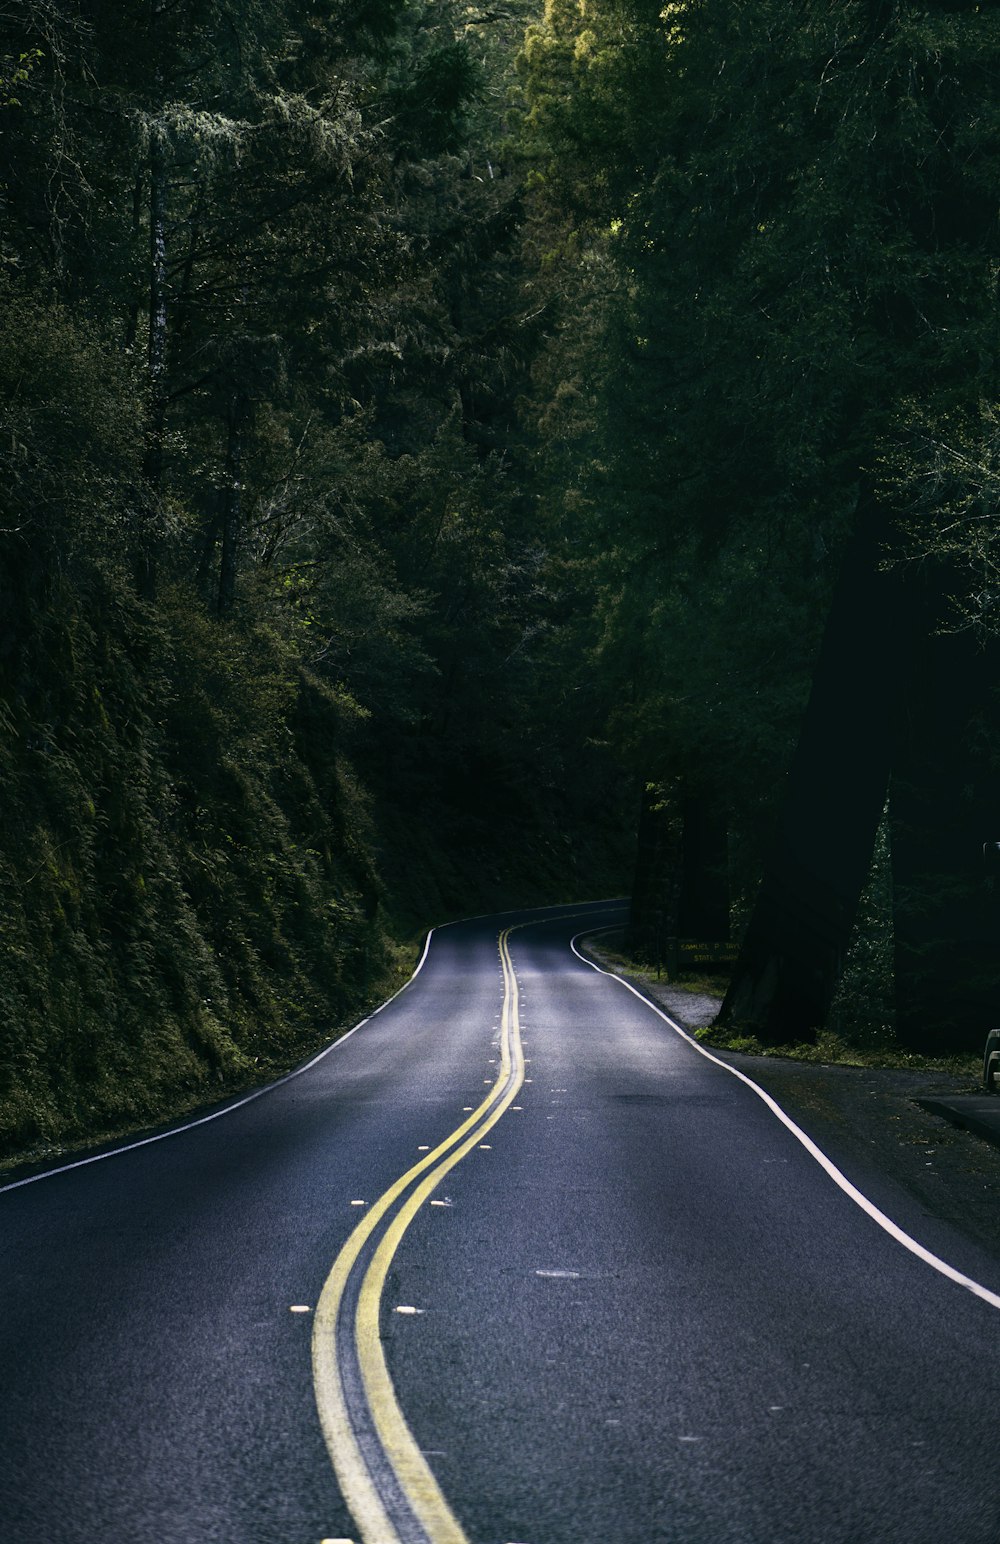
(784, 224)
(448, 449)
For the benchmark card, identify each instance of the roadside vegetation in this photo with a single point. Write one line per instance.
(453, 457)
(772, 408)
(853, 1043)
(281, 644)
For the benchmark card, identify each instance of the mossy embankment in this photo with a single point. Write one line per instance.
(189, 900)
(223, 833)
(190, 889)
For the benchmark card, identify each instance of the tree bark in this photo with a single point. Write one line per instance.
(210, 533)
(156, 347)
(653, 913)
(944, 805)
(232, 503)
(703, 904)
(793, 950)
(157, 341)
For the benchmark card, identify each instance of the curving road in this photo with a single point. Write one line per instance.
(514, 1263)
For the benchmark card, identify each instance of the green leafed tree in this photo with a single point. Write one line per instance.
(793, 205)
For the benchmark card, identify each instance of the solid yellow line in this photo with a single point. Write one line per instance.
(360, 1494)
(411, 1468)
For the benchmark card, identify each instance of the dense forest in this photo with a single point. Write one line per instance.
(460, 455)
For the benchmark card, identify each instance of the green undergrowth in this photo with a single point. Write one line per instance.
(831, 1049)
(197, 888)
(140, 1113)
(188, 901)
(641, 970)
(871, 1048)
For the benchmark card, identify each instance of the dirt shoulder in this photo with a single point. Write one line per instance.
(868, 1119)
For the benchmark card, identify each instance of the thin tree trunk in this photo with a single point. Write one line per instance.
(793, 950)
(653, 912)
(232, 504)
(156, 349)
(135, 308)
(182, 293)
(157, 344)
(211, 531)
(703, 905)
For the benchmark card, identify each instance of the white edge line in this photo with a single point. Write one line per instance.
(203, 1120)
(258, 1093)
(857, 1196)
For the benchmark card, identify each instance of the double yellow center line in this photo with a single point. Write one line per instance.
(385, 1479)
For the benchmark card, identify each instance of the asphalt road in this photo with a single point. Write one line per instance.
(619, 1302)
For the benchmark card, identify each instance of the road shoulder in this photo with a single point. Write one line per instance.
(869, 1121)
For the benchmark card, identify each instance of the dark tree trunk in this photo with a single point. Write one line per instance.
(944, 805)
(156, 347)
(157, 342)
(653, 913)
(703, 905)
(210, 533)
(135, 307)
(232, 504)
(793, 950)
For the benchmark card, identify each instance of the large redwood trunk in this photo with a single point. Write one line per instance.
(944, 805)
(793, 950)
